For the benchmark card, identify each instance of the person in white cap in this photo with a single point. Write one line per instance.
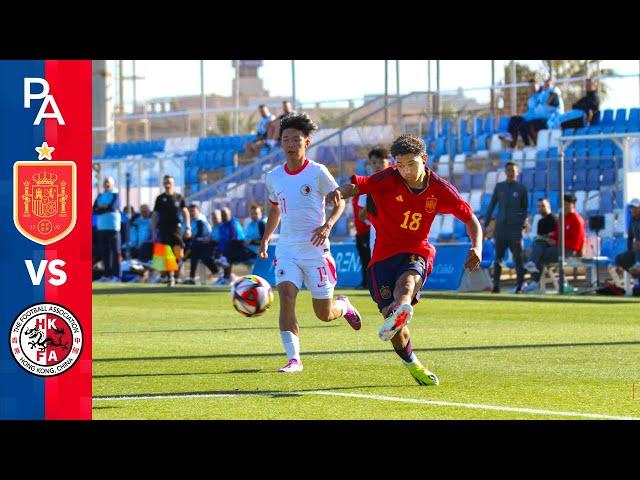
(630, 260)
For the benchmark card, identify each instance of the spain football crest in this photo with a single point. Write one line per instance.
(44, 199)
(431, 204)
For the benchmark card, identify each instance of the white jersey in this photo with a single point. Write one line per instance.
(362, 202)
(301, 197)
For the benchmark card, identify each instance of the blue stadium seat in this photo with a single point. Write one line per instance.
(620, 128)
(477, 181)
(463, 127)
(486, 199)
(568, 132)
(596, 118)
(432, 129)
(606, 201)
(619, 245)
(541, 164)
(634, 116)
(554, 200)
(621, 118)
(528, 178)
(489, 125)
(540, 179)
(580, 179)
(541, 154)
(505, 157)
(593, 179)
(593, 162)
(633, 127)
(446, 128)
(607, 118)
(504, 124)
(467, 144)
(606, 162)
(477, 126)
(608, 177)
(569, 153)
(465, 183)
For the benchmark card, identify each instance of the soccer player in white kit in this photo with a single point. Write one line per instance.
(297, 191)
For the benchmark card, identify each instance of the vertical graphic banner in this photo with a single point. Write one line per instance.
(45, 254)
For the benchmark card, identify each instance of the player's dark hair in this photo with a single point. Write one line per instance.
(380, 152)
(408, 145)
(166, 177)
(510, 164)
(262, 105)
(570, 198)
(298, 121)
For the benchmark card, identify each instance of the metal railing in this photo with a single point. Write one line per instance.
(213, 189)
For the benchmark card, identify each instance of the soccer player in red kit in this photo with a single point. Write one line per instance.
(406, 198)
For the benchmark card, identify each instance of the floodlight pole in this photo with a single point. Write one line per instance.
(561, 230)
(386, 92)
(203, 101)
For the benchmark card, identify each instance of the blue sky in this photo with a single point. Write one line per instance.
(325, 80)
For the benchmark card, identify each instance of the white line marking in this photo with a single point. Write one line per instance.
(377, 397)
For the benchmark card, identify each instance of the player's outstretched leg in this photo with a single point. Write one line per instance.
(403, 347)
(400, 311)
(289, 327)
(329, 309)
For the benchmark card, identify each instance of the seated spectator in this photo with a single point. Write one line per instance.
(140, 235)
(231, 244)
(517, 124)
(546, 225)
(255, 228)
(583, 111)
(273, 129)
(574, 233)
(200, 245)
(549, 103)
(630, 260)
(253, 148)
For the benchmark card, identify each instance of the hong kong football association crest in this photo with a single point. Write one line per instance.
(46, 339)
(44, 199)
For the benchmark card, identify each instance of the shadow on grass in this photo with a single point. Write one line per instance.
(161, 289)
(360, 352)
(179, 330)
(236, 392)
(180, 374)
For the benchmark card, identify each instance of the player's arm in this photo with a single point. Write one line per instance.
(474, 230)
(321, 233)
(362, 214)
(187, 222)
(343, 191)
(272, 223)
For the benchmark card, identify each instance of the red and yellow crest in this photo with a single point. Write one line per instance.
(44, 199)
(431, 203)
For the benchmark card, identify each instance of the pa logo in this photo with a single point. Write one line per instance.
(46, 339)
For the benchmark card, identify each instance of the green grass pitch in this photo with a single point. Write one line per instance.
(186, 354)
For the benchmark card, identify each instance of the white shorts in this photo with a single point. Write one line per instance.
(319, 275)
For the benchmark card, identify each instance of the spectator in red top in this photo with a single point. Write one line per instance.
(574, 234)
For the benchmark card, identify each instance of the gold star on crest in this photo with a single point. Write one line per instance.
(44, 151)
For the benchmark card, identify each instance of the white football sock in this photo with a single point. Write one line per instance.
(291, 344)
(342, 305)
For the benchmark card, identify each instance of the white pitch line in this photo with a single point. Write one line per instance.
(379, 398)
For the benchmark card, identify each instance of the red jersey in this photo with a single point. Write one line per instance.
(403, 218)
(361, 227)
(574, 231)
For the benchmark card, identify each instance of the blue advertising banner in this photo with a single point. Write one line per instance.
(446, 275)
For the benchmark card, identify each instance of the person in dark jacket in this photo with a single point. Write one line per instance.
(513, 203)
(630, 260)
(583, 111)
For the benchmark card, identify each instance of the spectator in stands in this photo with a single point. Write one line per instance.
(127, 215)
(511, 198)
(253, 148)
(547, 224)
(107, 209)
(140, 235)
(231, 244)
(273, 129)
(379, 159)
(255, 228)
(630, 260)
(550, 103)
(200, 245)
(574, 235)
(168, 253)
(583, 111)
(518, 123)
